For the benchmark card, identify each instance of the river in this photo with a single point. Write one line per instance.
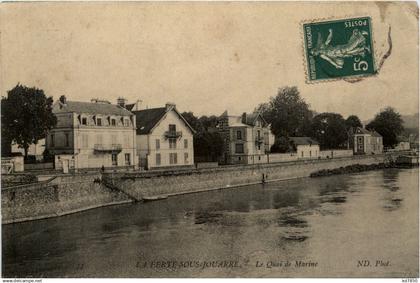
(357, 225)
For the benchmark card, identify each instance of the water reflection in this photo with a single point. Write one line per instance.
(278, 221)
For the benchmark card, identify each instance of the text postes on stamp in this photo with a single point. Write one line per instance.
(339, 49)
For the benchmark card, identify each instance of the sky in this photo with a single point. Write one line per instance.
(204, 57)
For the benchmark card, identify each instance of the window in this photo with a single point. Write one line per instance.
(185, 143)
(84, 121)
(52, 140)
(301, 153)
(158, 159)
(360, 139)
(259, 157)
(113, 122)
(239, 148)
(99, 139)
(172, 128)
(127, 159)
(126, 122)
(172, 143)
(99, 121)
(186, 158)
(158, 144)
(114, 139)
(258, 134)
(85, 140)
(114, 158)
(67, 142)
(259, 147)
(173, 158)
(239, 135)
(310, 153)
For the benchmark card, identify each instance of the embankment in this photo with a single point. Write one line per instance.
(63, 195)
(149, 184)
(67, 194)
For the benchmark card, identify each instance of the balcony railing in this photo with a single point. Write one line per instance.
(259, 140)
(114, 148)
(173, 134)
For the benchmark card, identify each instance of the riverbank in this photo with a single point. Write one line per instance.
(67, 194)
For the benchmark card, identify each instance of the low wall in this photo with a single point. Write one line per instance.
(282, 157)
(335, 153)
(39, 166)
(149, 184)
(63, 195)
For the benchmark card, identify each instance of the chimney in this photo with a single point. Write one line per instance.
(169, 105)
(63, 99)
(244, 118)
(121, 101)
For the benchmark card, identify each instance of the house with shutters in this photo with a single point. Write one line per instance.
(363, 141)
(164, 138)
(91, 135)
(247, 138)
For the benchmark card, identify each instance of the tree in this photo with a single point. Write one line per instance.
(26, 116)
(329, 129)
(208, 144)
(353, 121)
(281, 144)
(389, 124)
(288, 113)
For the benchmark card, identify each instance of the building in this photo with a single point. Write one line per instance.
(35, 151)
(91, 135)
(305, 147)
(363, 141)
(164, 138)
(246, 138)
(403, 145)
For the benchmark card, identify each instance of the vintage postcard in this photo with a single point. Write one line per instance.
(209, 140)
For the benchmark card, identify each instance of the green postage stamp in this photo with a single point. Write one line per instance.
(339, 49)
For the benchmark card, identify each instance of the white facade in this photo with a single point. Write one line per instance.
(93, 140)
(168, 144)
(307, 151)
(36, 150)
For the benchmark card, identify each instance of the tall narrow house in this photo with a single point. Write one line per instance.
(164, 138)
(247, 138)
(91, 135)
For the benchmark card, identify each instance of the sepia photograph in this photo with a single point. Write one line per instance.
(209, 140)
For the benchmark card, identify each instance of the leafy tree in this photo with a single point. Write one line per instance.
(389, 124)
(193, 121)
(353, 121)
(329, 129)
(26, 116)
(288, 113)
(281, 144)
(208, 144)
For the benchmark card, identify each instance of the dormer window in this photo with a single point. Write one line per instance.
(113, 122)
(84, 121)
(126, 122)
(99, 121)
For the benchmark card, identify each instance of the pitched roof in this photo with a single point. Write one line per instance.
(359, 130)
(90, 108)
(250, 119)
(130, 106)
(303, 140)
(147, 119)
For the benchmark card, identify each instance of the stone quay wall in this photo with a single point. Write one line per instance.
(66, 194)
(63, 195)
(142, 185)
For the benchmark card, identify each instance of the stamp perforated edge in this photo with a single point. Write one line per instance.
(350, 79)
